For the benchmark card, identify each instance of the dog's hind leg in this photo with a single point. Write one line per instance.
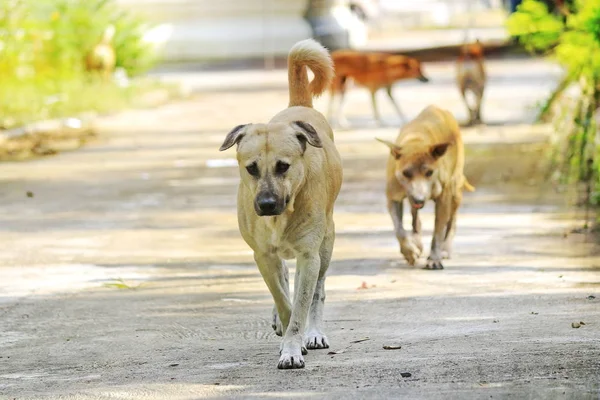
(442, 216)
(478, 110)
(451, 227)
(341, 120)
(330, 107)
(315, 338)
(450, 231)
(375, 111)
(409, 249)
(396, 106)
(335, 88)
(308, 263)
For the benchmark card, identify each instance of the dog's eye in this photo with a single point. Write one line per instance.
(429, 173)
(407, 173)
(253, 170)
(281, 167)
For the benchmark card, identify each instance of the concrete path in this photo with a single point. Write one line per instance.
(123, 274)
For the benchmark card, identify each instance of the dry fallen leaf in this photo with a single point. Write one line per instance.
(392, 347)
(575, 324)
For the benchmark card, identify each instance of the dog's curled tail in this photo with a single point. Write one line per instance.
(308, 53)
(467, 186)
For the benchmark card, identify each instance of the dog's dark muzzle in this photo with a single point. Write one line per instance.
(423, 78)
(267, 204)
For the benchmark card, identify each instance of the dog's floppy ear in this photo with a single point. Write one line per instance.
(234, 137)
(306, 133)
(438, 150)
(394, 148)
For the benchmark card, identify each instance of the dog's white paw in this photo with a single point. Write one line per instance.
(291, 361)
(291, 356)
(316, 340)
(434, 263)
(276, 324)
(411, 249)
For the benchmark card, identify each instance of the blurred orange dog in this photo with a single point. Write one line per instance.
(470, 76)
(373, 71)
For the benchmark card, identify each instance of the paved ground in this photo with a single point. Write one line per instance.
(123, 274)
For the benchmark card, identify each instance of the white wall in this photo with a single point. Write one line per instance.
(190, 30)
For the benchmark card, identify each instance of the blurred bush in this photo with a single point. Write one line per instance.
(571, 36)
(43, 45)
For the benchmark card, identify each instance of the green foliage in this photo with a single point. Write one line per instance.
(574, 42)
(535, 26)
(43, 46)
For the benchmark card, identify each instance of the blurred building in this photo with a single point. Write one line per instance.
(193, 30)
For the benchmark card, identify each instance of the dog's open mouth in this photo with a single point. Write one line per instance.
(417, 206)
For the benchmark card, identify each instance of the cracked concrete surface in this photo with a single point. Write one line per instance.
(125, 276)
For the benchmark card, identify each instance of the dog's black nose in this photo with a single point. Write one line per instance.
(267, 205)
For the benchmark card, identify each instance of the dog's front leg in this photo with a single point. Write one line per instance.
(408, 247)
(285, 282)
(274, 273)
(416, 229)
(315, 338)
(442, 216)
(293, 343)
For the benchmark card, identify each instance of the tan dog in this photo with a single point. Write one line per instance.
(471, 78)
(426, 162)
(291, 174)
(374, 71)
(102, 58)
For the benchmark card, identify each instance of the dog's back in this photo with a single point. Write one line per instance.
(374, 70)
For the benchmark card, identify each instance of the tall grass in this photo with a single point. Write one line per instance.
(43, 44)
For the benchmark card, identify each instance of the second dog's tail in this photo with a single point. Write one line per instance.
(308, 53)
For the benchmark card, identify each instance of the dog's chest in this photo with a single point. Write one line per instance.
(276, 239)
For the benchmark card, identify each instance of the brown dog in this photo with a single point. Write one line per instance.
(426, 162)
(291, 174)
(102, 58)
(373, 71)
(471, 78)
